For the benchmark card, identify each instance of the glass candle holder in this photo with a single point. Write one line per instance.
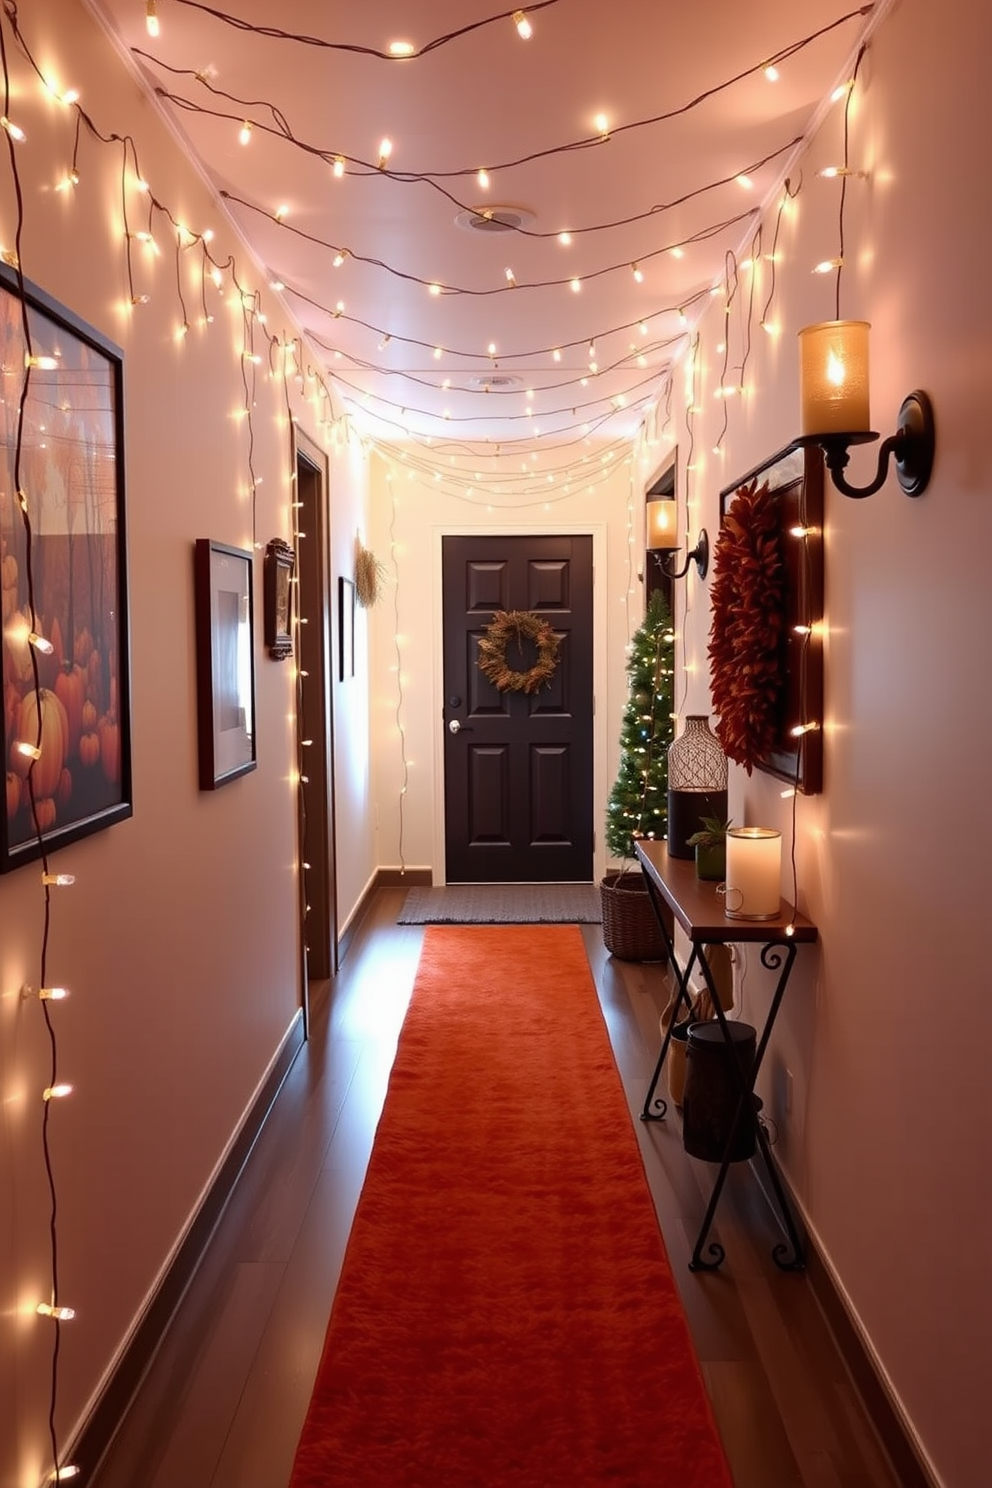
(754, 871)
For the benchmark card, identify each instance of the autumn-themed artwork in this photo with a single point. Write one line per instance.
(62, 564)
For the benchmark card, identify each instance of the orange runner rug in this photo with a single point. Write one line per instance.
(506, 1313)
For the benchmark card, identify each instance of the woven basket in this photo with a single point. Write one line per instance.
(630, 930)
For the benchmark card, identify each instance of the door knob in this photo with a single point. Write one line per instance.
(454, 727)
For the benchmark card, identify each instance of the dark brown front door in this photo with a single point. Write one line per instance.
(517, 766)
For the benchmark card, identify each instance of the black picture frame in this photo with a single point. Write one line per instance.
(795, 477)
(280, 561)
(346, 628)
(63, 557)
(225, 670)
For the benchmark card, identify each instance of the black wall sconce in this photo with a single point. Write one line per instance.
(662, 541)
(699, 555)
(833, 381)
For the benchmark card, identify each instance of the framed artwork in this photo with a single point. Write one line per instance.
(346, 628)
(225, 678)
(65, 726)
(279, 562)
(795, 478)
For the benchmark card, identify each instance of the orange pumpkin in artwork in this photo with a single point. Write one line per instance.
(110, 749)
(58, 649)
(64, 793)
(89, 717)
(82, 646)
(70, 688)
(13, 794)
(44, 814)
(52, 741)
(89, 750)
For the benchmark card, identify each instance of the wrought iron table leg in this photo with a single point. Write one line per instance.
(655, 1108)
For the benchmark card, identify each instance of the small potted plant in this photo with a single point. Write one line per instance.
(711, 848)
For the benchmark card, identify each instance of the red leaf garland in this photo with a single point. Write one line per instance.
(747, 630)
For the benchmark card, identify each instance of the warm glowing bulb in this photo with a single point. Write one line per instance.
(63, 1474)
(556, 354)
(434, 289)
(61, 1314)
(745, 182)
(401, 48)
(638, 273)
(53, 994)
(58, 880)
(483, 179)
(40, 643)
(338, 166)
(602, 124)
(772, 73)
(842, 91)
(28, 751)
(43, 363)
(511, 281)
(14, 130)
(281, 211)
(523, 25)
(437, 353)
(576, 285)
(827, 265)
(56, 1092)
(564, 238)
(339, 258)
(151, 18)
(492, 348)
(244, 133)
(385, 150)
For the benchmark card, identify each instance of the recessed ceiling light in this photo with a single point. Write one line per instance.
(494, 219)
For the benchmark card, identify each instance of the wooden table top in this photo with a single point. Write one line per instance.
(699, 909)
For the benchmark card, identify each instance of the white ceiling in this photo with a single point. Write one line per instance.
(526, 111)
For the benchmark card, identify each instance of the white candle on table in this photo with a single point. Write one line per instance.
(754, 870)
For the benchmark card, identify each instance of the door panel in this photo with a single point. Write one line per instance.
(518, 767)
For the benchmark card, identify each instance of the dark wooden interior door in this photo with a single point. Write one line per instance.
(517, 766)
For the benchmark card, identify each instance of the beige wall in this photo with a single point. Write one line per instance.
(411, 516)
(886, 1028)
(180, 938)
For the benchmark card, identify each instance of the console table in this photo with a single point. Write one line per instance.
(697, 907)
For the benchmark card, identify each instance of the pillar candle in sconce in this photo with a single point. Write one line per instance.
(754, 868)
(662, 526)
(833, 377)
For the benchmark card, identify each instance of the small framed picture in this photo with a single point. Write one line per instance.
(225, 677)
(279, 562)
(346, 628)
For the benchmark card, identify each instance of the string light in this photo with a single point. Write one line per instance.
(483, 179)
(524, 28)
(244, 134)
(151, 18)
(385, 150)
(59, 1314)
(14, 130)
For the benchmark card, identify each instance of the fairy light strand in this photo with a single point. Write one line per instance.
(275, 33)
(572, 146)
(48, 879)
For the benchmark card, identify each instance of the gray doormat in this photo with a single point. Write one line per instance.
(503, 904)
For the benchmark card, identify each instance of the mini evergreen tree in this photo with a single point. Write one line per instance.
(638, 802)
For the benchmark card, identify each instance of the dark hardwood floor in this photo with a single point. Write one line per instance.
(223, 1402)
